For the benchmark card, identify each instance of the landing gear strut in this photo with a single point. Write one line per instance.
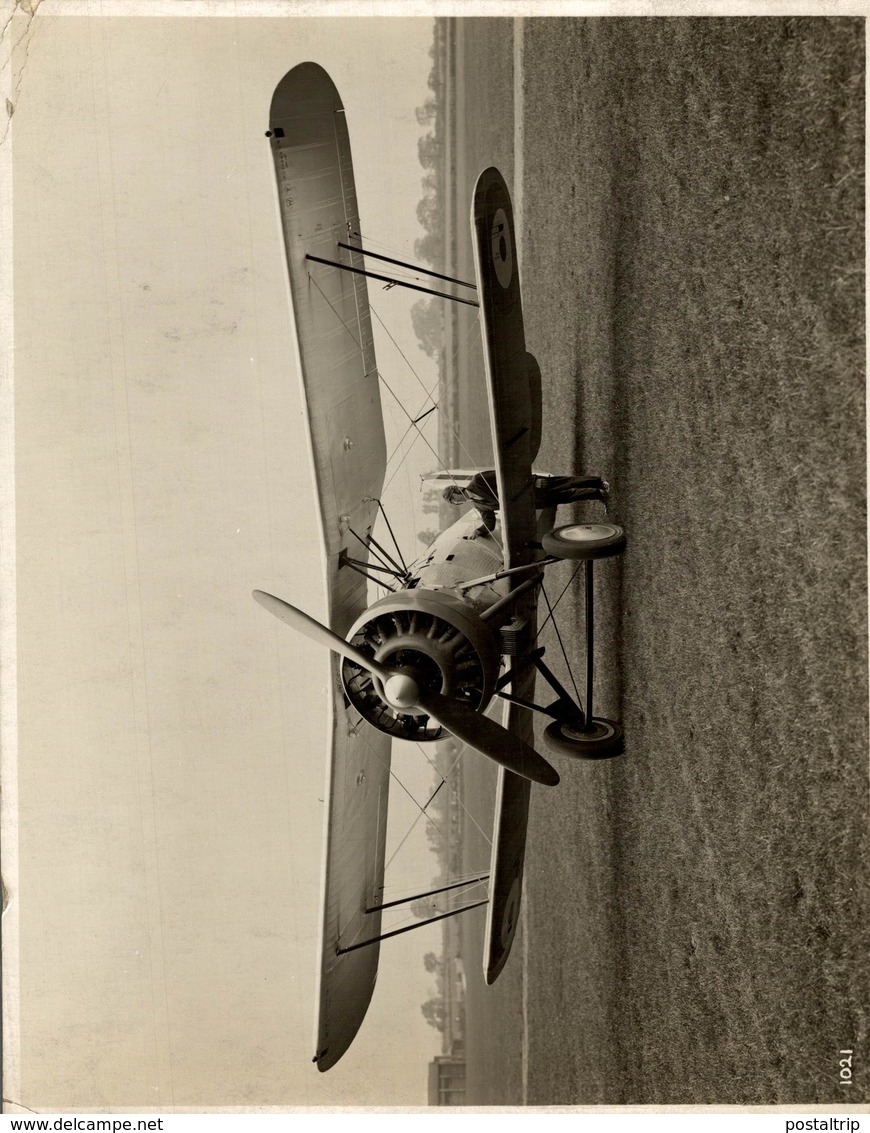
(586, 736)
(575, 731)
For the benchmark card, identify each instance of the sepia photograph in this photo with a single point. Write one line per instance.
(433, 556)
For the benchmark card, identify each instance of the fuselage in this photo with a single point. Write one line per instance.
(464, 551)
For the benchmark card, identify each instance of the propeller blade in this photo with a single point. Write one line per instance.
(316, 631)
(488, 737)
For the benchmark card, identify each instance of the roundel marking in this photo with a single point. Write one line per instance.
(502, 249)
(511, 909)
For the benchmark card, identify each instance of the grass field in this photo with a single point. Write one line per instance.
(693, 288)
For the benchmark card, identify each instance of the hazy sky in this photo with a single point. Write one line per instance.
(171, 735)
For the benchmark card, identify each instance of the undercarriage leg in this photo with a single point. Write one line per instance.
(565, 707)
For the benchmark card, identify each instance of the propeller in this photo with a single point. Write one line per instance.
(318, 632)
(488, 737)
(402, 691)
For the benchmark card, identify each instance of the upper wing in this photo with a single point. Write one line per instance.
(317, 201)
(514, 389)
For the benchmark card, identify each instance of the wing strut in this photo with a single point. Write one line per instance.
(398, 572)
(390, 526)
(392, 282)
(409, 928)
(428, 893)
(365, 569)
(402, 264)
(417, 420)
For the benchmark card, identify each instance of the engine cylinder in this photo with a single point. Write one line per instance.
(432, 636)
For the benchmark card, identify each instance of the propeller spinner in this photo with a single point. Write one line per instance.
(403, 692)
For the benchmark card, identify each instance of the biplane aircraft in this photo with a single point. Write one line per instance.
(452, 646)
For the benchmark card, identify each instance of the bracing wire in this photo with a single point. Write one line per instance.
(555, 604)
(435, 405)
(420, 381)
(444, 781)
(422, 814)
(473, 879)
(561, 644)
(413, 421)
(380, 375)
(360, 726)
(452, 789)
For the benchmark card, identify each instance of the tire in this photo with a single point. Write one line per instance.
(603, 741)
(584, 541)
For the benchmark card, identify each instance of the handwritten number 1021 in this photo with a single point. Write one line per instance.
(846, 1067)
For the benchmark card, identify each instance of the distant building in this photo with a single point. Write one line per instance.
(447, 1070)
(447, 1080)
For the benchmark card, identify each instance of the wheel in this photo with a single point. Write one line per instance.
(604, 739)
(584, 541)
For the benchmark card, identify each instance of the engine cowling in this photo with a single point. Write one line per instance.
(435, 637)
